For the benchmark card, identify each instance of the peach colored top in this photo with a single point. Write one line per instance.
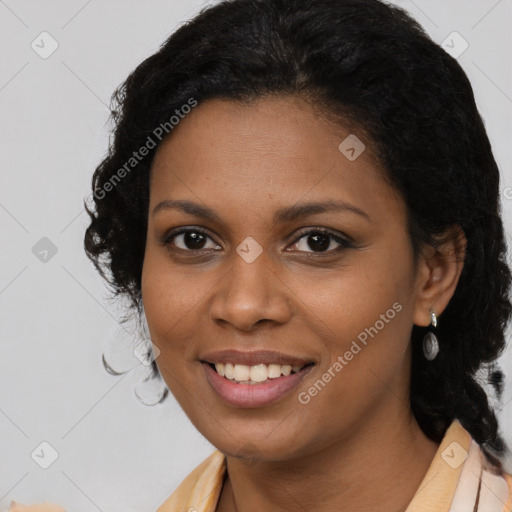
(458, 480)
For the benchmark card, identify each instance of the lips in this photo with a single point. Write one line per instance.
(254, 358)
(238, 379)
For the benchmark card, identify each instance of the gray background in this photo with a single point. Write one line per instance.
(115, 454)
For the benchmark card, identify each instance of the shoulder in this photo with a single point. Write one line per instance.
(200, 490)
(460, 478)
(499, 489)
(489, 487)
(508, 479)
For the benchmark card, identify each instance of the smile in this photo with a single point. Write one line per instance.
(244, 374)
(259, 385)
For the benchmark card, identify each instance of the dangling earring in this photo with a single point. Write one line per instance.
(430, 341)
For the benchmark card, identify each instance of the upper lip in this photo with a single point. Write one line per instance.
(254, 357)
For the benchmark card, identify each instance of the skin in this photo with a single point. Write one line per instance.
(356, 440)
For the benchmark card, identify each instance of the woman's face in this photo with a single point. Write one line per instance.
(251, 278)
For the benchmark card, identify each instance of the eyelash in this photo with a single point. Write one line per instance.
(344, 243)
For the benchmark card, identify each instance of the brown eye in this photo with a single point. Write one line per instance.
(320, 241)
(190, 240)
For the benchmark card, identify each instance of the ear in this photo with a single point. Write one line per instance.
(438, 272)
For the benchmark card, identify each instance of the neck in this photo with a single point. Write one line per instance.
(380, 458)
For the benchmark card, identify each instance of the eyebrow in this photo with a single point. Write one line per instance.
(287, 214)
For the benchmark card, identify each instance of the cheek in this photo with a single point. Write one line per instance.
(169, 309)
(366, 316)
(169, 298)
(347, 301)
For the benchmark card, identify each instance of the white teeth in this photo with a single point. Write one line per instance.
(241, 372)
(252, 374)
(286, 369)
(228, 371)
(258, 373)
(220, 369)
(274, 371)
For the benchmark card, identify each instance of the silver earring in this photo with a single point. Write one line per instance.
(430, 341)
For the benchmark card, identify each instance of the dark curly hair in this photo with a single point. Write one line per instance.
(367, 64)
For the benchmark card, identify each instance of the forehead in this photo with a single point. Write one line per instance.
(264, 155)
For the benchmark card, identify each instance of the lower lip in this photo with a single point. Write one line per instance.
(254, 395)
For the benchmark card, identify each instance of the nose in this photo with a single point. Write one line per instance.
(251, 294)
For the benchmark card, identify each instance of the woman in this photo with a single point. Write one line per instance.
(302, 202)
